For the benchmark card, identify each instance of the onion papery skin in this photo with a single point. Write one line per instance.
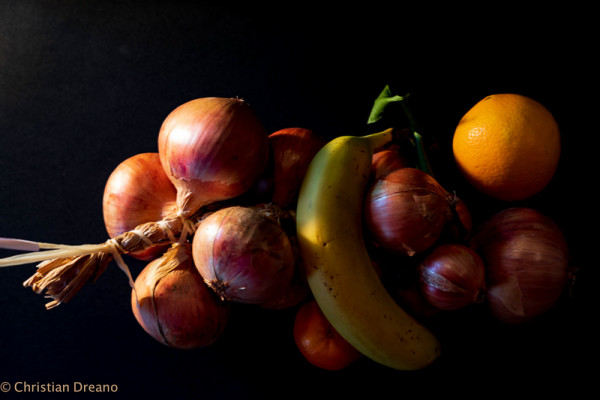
(464, 215)
(292, 149)
(452, 277)
(462, 224)
(411, 299)
(406, 211)
(526, 258)
(174, 305)
(244, 255)
(136, 192)
(386, 161)
(297, 291)
(212, 149)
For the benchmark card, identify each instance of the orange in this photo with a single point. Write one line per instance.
(319, 342)
(507, 146)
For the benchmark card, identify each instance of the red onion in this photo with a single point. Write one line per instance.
(406, 211)
(526, 258)
(136, 192)
(412, 300)
(244, 255)
(293, 150)
(173, 304)
(386, 161)
(212, 149)
(452, 277)
(297, 291)
(461, 224)
(464, 215)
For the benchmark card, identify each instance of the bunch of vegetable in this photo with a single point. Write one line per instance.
(214, 215)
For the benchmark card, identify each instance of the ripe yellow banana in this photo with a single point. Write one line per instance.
(337, 264)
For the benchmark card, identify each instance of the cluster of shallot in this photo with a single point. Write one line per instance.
(515, 263)
(234, 187)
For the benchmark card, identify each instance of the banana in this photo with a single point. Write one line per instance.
(337, 264)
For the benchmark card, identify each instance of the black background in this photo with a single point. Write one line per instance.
(84, 85)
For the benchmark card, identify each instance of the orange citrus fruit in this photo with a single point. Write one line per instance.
(507, 146)
(319, 342)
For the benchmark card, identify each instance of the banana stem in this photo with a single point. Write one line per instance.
(381, 139)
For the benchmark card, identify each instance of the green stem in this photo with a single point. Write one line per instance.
(422, 160)
(412, 123)
(377, 112)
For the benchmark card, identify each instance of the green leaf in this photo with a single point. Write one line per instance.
(381, 102)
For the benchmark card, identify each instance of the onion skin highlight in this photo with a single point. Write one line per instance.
(526, 258)
(136, 192)
(174, 305)
(244, 256)
(212, 149)
(406, 211)
(452, 277)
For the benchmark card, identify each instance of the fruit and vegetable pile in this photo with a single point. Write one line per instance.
(227, 213)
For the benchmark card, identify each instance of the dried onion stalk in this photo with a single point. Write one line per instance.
(64, 269)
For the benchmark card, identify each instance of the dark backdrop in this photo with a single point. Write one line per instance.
(84, 85)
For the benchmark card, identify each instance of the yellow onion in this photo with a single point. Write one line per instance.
(173, 304)
(526, 259)
(244, 255)
(136, 192)
(212, 149)
(406, 211)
